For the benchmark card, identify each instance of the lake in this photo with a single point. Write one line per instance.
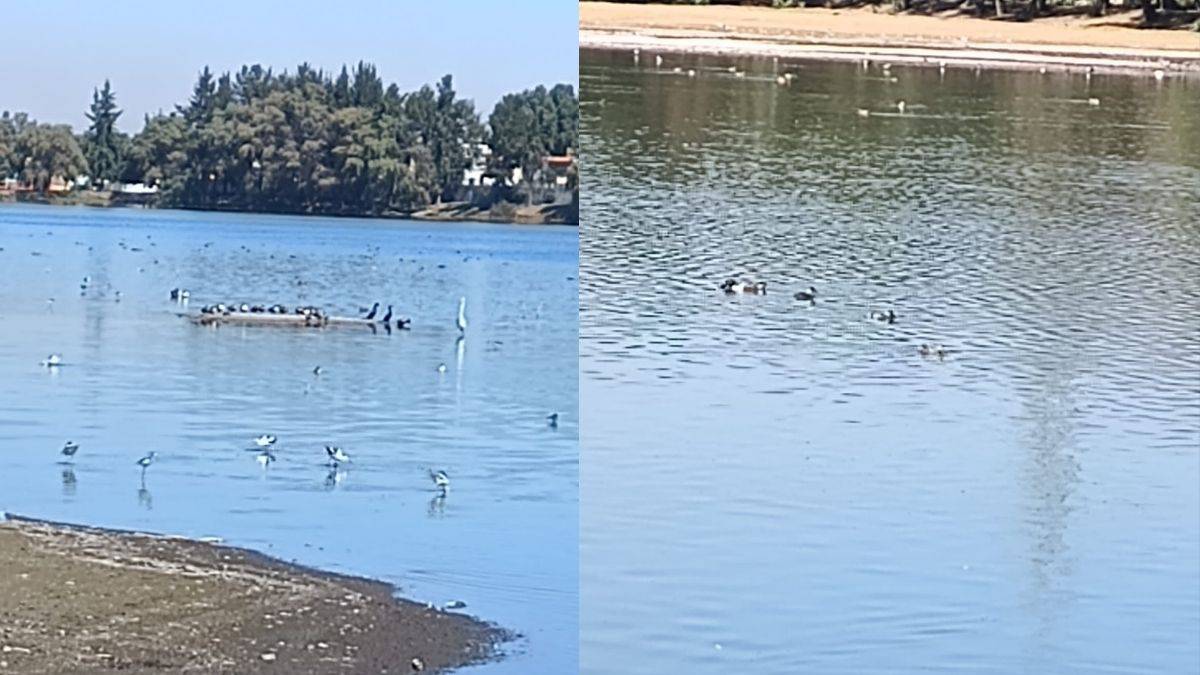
(137, 377)
(776, 486)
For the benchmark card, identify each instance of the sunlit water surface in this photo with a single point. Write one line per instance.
(771, 486)
(137, 377)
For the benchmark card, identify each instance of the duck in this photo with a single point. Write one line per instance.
(932, 350)
(809, 295)
(886, 317)
(733, 286)
(371, 314)
(147, 460)
(552, 420)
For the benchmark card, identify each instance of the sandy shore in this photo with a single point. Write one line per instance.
(75, 599)
(1067, 43)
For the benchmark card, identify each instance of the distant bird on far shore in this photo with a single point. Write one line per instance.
(440, 480)
(70, 448)
(265, 441)
(371, 314)
(461, 321)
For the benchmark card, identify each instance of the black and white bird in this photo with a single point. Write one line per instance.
(440, 479)
(265, 441)
(552, 420)
(809, 295)
(371, 314)
(70, 448)
(886, 317)
(336, 455)
(53, 360)
(147, 460)
(461, 321)
(317, 371)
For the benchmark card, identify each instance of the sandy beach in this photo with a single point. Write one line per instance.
(1108, 43)
(77, 599)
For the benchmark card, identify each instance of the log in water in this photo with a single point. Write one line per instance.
(264, 319)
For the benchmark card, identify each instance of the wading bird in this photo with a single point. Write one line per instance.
(70, 448)
(336, 456)
(461, 321)
(440, 480)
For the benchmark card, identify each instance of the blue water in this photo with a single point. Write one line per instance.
(137, 377)
(771, 486)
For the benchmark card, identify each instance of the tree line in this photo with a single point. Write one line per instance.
(302, 142)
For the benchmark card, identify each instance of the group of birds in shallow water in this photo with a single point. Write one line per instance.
(750, 287)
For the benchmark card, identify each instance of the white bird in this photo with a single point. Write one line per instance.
(53, 360)
(440, 479)
(900, 106)
(658, 59)
(461, 321)
(265, 441)
(70, 448)
(1093, 101)
(441, 368)
(1159, 74)
(336, 455)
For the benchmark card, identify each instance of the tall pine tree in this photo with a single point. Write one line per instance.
(103, 149)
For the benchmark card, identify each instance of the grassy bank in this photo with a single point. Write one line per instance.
(1069, 42)
(76, 599)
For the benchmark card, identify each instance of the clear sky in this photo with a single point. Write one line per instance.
(57, 51)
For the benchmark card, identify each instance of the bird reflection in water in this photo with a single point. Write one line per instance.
(145, 499)
(334, 478)
(68, 482)
(437, 505)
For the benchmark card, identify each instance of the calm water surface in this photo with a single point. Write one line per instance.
(139, 378)
(771, 486)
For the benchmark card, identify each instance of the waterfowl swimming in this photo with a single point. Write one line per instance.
(265, 441)
(69, 449)
(174, 293)
(387, 318)
(371, 314)
(461, 321)
(440, 479)
(809, 295)
(732, 286)
(932, 350)
(441, 368)
(552, 420)
(53, 360)
(336, 456)
(317, 371)
(887, 317)
(244, 307)
(403, 324)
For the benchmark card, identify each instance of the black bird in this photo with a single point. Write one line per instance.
(810, 294)
(552, 420)
(403, 324)
(371, 314)
(387, 318)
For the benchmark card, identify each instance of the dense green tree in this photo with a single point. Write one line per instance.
(528, 126)
(46, 151)
(102, 141)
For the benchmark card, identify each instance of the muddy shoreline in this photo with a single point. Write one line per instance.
(854, 34)
(77, 599)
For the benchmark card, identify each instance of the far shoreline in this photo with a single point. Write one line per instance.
(535, 214)
(156, 603)
(1071, 45)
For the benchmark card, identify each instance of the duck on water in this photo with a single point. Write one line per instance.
(746, 286)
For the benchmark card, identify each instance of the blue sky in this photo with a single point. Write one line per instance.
(56, 51)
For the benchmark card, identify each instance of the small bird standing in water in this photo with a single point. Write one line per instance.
(336, 455)
(53, 360)
(70, 448)
(440, 479)
(146, 461)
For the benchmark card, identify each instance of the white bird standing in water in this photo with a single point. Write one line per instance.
(461, 321)
(440, 479)
(53, 360)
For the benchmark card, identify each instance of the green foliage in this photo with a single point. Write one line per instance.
(532, 124)
(42, 151)
(102, 142)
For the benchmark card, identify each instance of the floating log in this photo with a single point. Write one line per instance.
(267, 319)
